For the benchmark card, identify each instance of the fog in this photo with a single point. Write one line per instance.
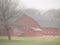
(40, 4)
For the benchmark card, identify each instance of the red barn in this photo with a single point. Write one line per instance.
(30, 27)
(27, 26)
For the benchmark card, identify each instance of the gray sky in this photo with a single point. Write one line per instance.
(40, 4)
(44, 5)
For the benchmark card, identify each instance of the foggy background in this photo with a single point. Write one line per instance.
(45, 12)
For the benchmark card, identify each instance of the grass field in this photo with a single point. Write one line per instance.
(28, 41)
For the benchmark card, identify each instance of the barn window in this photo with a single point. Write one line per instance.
(48, 32)
(55, 32)
(52, 32)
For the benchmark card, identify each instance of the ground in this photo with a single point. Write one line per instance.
(29, 41)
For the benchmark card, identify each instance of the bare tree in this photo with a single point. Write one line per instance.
(7, 11)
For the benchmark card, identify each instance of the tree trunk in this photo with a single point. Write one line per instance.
(8, 33)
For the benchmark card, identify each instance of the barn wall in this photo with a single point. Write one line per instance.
(25, 23)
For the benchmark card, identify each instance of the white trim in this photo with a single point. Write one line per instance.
(36, 29)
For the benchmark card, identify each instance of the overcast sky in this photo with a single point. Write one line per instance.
(41, 4)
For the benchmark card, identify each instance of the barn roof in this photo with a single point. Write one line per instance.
(36, 29)
(37, 21)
